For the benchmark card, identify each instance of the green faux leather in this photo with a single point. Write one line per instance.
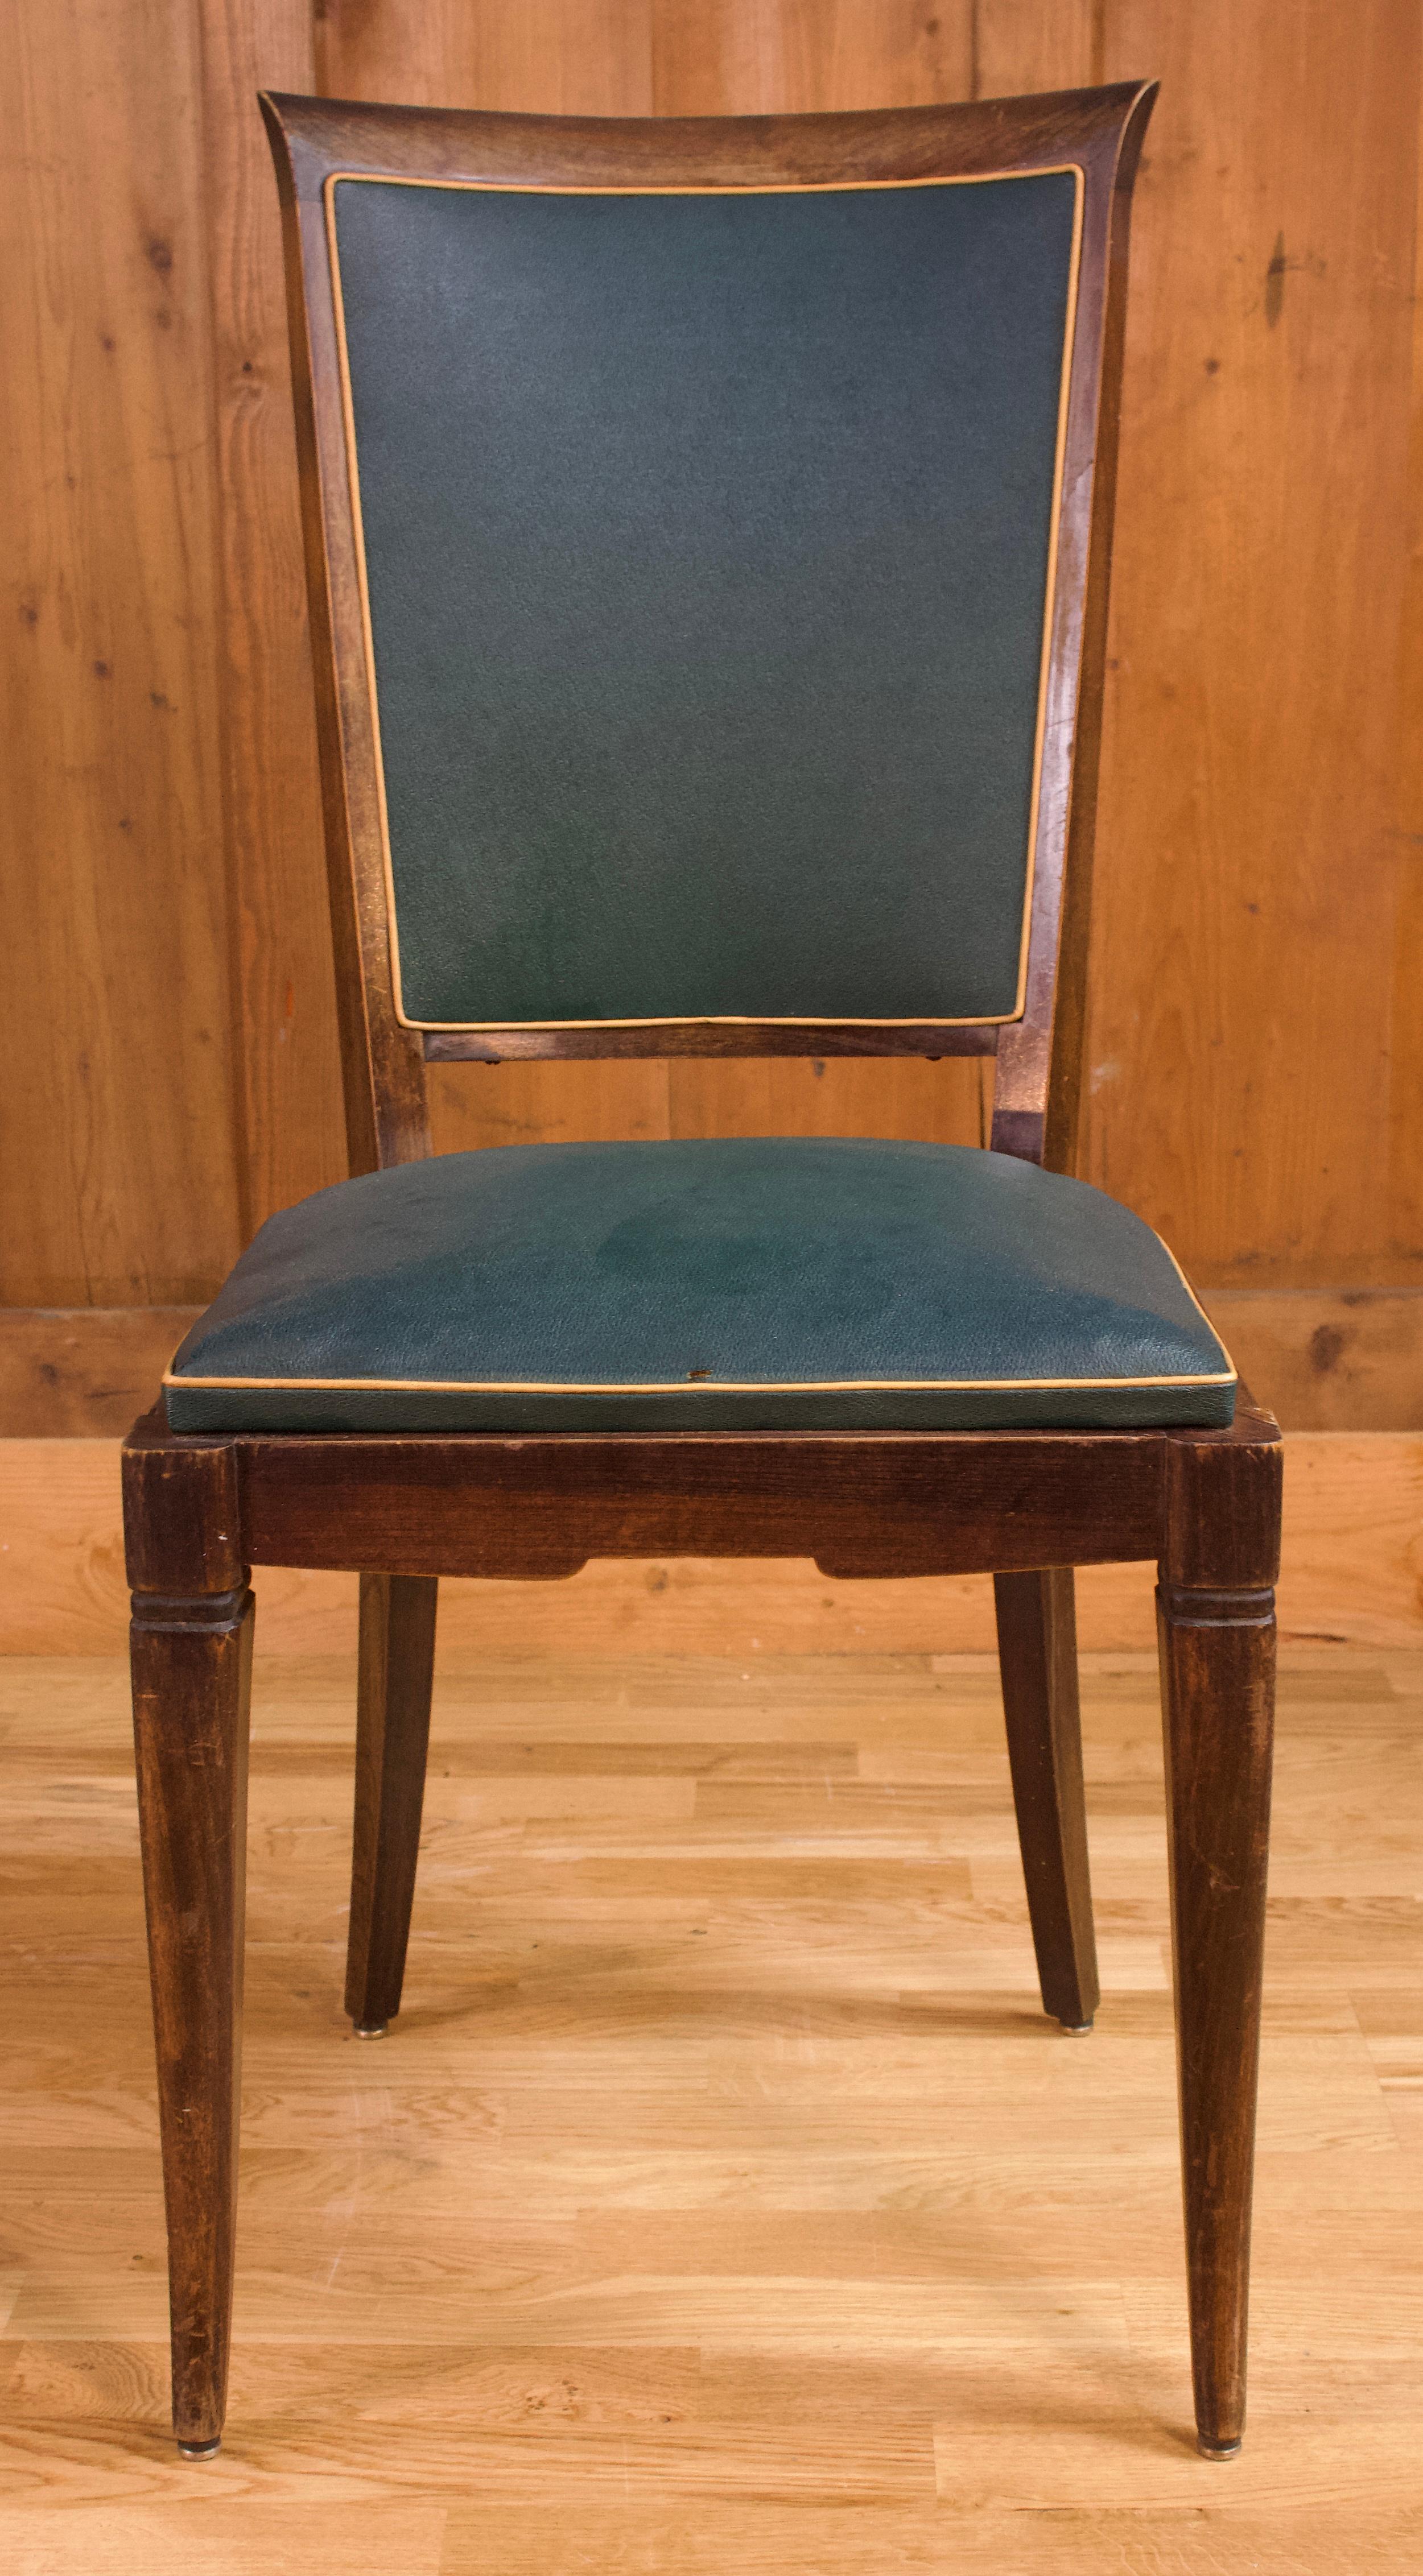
(707, 543)
(763, 1283)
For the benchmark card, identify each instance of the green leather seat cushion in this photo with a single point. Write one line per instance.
(740, 1283)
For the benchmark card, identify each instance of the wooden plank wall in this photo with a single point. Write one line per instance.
(167, 1054)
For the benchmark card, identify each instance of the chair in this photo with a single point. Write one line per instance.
(708, 529)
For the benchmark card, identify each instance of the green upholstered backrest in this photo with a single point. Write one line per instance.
(708, 545)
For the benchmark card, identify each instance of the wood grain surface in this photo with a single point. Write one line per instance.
(1252, 866)
(288, 1099)
(83, 1372)
(1353, 1570)
(1255, 1066)
(721, 2197)
(118, 1183)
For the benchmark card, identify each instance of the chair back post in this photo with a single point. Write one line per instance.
(1038, 1079)
(1097, 131)
(382, 1064)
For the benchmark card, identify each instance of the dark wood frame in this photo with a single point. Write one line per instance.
(404, 1510)
(1098, 132)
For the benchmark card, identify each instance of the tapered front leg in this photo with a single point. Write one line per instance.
(1037, 1657)
(397, 1665)
(1218, 1690)
(191, 1654)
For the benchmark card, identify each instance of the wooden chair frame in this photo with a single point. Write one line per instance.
(402, 1510)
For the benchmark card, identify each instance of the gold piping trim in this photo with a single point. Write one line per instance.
(1234, 1378)
(696, 1386)
(821, 188)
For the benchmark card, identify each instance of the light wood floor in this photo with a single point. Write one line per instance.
(721, 2201)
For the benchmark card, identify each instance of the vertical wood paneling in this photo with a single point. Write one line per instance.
(544, 57)
(289, 1091)
(780, 57)
(1250, 868)
(118, 1180)
(1404, 1176)
(1037, 45)
(1025, 45)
